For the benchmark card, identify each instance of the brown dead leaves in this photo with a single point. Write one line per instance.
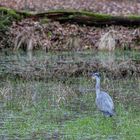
(114, 7)
(56, 36)
(60, 36)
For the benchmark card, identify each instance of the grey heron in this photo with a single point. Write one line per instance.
(103, 101)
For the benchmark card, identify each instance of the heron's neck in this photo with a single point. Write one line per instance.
(97, 86)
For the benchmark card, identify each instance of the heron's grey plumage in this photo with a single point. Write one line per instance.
(103, 101)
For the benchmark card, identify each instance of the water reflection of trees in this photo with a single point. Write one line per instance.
(61, 64)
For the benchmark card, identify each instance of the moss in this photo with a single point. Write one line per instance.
(9, 12)
(6, 17)
(25, 14)
(134, 17)
(98, 16)
(84, 13)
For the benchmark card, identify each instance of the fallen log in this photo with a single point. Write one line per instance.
(87, 18)
(76, 16)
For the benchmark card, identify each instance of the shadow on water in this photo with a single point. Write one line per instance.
(63, 106)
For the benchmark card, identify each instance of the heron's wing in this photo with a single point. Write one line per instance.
(104, 102)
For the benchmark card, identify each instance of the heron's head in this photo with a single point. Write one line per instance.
(95, 75)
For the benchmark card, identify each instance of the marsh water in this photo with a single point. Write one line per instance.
(37, 104)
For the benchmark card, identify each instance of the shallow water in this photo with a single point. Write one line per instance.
(64, 107)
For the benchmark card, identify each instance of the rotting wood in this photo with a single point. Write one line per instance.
(81, 17)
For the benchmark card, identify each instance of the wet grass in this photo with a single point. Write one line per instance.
(65, 109)
(74, 116)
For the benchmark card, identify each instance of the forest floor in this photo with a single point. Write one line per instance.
(114, 7)
(60, 36)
